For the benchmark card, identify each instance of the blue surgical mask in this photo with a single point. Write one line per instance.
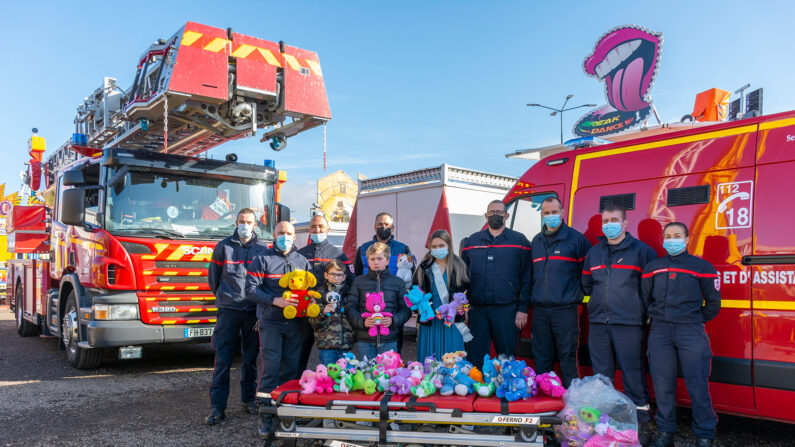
(284, 242)
(611, 229)
(318, 237)
(439, 253)
(244, 231)
(551, 221)
(674, 246)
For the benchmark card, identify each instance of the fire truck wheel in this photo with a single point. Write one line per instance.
(79, 358)
(24, 327)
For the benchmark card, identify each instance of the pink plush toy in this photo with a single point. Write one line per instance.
(375, 306)
(390, 360)
(550, 384)
(447, 312)
(323, 383)
(614, 438)
(308, 382)
(415, 373)
(343, 363)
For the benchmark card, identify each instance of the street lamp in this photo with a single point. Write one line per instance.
(561, 110)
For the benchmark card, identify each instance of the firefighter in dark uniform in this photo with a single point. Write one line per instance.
(558, 256)
(500, 274)
(611, 276)
(236, 317)
(384, 226)
(319, 252)
(681, 292)
(280, 338)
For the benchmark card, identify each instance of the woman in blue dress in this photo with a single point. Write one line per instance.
(442, 273)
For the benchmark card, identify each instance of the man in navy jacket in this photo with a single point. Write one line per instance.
(236, 317)
(681, 292)
(611, 276)
(280, 338)
(500, 279)
(558, 256)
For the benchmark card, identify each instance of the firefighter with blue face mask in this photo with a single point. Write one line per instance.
(681, 292)
(611, 277)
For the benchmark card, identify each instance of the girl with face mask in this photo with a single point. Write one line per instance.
(442, 273)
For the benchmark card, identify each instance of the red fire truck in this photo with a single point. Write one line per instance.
(731, 184)
(120, 250)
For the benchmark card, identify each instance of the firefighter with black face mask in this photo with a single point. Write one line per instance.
(500, 272)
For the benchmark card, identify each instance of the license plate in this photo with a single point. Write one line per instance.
(198, 332)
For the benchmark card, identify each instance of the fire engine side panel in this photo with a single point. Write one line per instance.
(304, 89)
(201, 66)
(257, 61)
(774, 284)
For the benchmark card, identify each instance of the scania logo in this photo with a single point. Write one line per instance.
(193, 250)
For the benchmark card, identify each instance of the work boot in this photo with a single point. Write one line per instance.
(216, 415)
(264, 424)
(250, 407)
(664, 439)
(644, 433)
(704, 442)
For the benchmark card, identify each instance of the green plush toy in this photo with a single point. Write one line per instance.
(424, 389)
(333, 371)
(369, 387)
(485, 390)
(357, 381)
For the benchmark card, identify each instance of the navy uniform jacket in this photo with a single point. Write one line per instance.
(557, 267)
(262, 281)
(319, 255)
(612, 279)
(226, 271)
(681, 289)
(499, 268)
(395, 248)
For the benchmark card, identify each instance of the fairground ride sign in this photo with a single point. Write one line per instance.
(625, 59)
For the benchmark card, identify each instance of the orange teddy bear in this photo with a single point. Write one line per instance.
(299, 282)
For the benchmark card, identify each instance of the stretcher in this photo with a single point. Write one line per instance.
(387, 419)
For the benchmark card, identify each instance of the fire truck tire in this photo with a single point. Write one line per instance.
(24, 327)
(79, 358)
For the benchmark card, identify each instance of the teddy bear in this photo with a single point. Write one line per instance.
(375, 305)
(415, 373)
(447, 312)
(400, 383)
(550, 384)
(298, 282)
(404, 264)
(420, 302)
(451, 358)
(324, 383)
(334, 299)
(308, 382)
(390, 360)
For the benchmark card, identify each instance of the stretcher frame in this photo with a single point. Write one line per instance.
(296, 421)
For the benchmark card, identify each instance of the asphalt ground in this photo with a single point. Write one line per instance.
(161, 400)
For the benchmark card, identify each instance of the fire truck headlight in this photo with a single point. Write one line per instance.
(115, 311)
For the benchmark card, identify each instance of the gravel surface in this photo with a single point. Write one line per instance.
(162, 400)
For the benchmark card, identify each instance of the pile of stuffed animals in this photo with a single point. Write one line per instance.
(507, 378)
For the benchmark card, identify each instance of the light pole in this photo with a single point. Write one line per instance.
(561, 110)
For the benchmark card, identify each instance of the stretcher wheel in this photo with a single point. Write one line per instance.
(289, 312)
(312, 310)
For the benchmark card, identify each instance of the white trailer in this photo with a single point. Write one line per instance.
(425, 200)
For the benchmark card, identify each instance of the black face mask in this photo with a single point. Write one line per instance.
(383, 233)
(495, 221)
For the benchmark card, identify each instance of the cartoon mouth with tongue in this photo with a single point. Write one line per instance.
(626, 60)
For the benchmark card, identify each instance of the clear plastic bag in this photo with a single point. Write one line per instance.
(597, 415)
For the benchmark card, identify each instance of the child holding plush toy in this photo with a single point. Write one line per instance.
(333, 331)
(375, 305)
(443, 274)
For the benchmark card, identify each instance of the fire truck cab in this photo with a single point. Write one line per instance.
(731, 184)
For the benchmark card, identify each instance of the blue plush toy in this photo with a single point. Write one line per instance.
(462, 377)
(514, 385)
(444, 382)
(490, 370)
(420, 302)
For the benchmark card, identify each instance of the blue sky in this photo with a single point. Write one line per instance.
(411, 84)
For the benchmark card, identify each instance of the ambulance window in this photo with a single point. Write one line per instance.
(526, 214)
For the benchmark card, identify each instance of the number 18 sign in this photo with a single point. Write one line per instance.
(735, 205)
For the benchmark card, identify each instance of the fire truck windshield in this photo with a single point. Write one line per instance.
(177, 206)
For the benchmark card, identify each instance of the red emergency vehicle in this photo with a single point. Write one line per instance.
(732, 184)
(117, 258)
